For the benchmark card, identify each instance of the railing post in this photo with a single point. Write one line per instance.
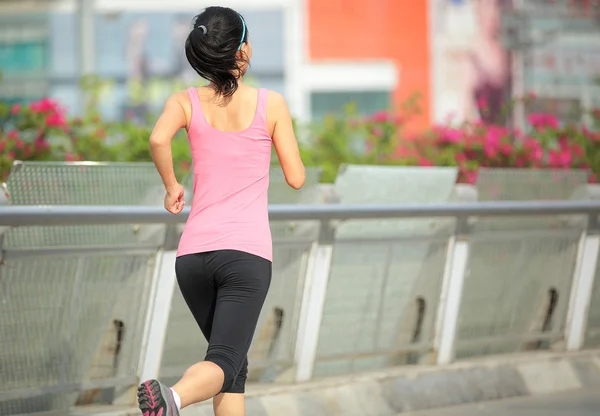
(451, 294)
(159, 308)
(313, 302)
(583, 284)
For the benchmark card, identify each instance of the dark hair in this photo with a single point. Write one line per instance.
(211, 48)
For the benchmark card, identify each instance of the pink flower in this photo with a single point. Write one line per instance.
(46, 105)
(482, 103)
(11, 155)
(13, 134)
(493, 141)
(425, 162)
(448, 135)
(56, 120)
(517, 133)
(560, 158)
(534, 149)
(380, 117)
(15, 109)
(470, 177)
(460, 158)
(531, 96)
(542, 121)
(563, 142)
(506, 149)
(2, 145)
(593, 178)
(19, 144)
(577, 150)
(41, 144)
(69, 157)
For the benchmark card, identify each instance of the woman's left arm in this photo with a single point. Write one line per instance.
(171, 120)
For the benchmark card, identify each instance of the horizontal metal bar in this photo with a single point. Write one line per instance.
(11, 254)
(424, 347)
(80, 215)
(500, 339)
(67, 388)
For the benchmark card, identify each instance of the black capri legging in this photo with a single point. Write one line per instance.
(225, 291)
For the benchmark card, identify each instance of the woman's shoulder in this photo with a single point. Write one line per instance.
(182, 96)
(275, 99)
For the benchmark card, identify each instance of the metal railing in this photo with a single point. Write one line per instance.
(460, 289)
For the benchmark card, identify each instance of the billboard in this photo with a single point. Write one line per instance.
(472, 75)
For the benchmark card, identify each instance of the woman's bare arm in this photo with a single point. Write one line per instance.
(285, 141)
(171, 120)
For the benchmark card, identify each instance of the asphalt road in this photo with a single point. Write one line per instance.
(577, 403)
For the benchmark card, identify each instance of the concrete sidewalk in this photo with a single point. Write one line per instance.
(575, 403)
(414, 388)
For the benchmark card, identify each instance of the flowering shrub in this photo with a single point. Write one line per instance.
(41, 130)
(25, 131)
(544, 144)
(354, 139)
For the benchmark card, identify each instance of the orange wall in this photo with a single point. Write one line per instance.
(390, 29)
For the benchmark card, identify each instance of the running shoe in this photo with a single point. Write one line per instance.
(156, 399)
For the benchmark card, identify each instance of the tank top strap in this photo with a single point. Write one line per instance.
(197, 113)
(261, 107)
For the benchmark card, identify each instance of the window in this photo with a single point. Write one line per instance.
(23, 59)
(367, 102)
(332, 85)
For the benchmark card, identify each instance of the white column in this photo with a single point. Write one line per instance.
(87, 43)
(157, 317)
(313, 303)
(451, 296)
(296, 57)
(581, 291)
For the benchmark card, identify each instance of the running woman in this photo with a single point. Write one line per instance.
(224, 257)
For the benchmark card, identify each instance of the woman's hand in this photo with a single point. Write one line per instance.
(174, 201)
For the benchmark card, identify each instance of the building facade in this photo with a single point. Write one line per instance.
(460, 57)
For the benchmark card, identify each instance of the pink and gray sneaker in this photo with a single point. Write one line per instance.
(156, 399)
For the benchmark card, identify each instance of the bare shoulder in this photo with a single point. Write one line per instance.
(277, 107)
(276, 100)
(276, 110)
(182, 97)
(179, 103)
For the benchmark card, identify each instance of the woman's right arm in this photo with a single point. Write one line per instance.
(285, 141)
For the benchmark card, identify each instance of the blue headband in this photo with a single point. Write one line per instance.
(243, 32)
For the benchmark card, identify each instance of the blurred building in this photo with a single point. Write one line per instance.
(374, 53)
(136, 45)
(485, 53)
(465, 58)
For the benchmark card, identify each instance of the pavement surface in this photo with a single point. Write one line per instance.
(575, 403)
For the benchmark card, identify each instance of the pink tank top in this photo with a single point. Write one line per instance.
(231, 179)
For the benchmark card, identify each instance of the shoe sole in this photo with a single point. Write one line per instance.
(153, 400)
